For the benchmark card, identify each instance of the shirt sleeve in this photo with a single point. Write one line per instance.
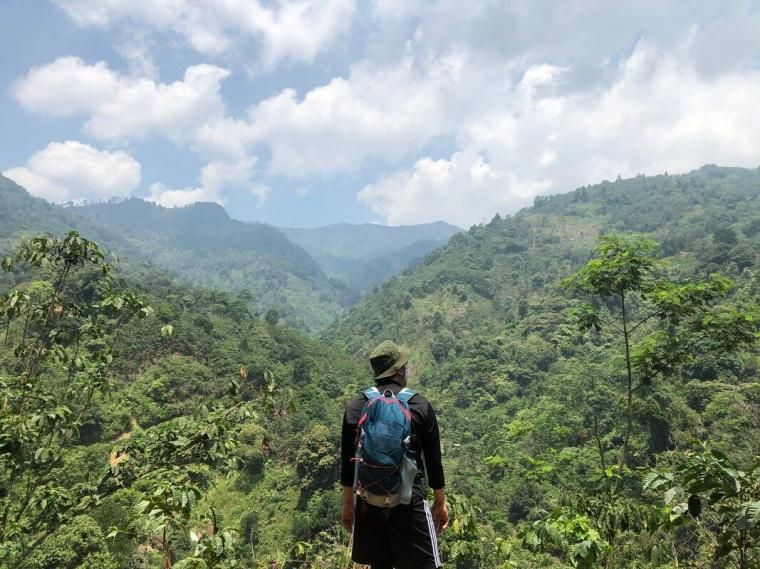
(347, 438)
(431, 448)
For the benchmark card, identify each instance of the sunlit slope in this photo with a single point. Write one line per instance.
(517, 388)
(498, 275)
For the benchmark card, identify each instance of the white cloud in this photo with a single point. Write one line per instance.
(377, 113)
(177, 197)
(463, 190)
(660, 114)
(118, 108)
(215, 178)
(66, 87)
(293, 31)
(218, 175)
(449, 113)
(72, 171)
(590, 36)
(135, 48)
(224, 139)
(123, 108)
(260, 191)
(39, 185)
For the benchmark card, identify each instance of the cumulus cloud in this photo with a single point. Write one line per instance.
(66, 87)
(177, 197)
(225, 138)
(136, 49)
(591, 35)
(660, 114)
(122, 108)
(293, 31)
(214, 178)
(117, 108)
(447, 113)
(378, 113)
(463, 190)
(72, 171)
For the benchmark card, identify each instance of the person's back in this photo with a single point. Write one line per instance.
(404, 535)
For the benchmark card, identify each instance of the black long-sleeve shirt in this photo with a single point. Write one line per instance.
(424, 428)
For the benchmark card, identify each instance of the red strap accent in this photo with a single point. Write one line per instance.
(397, 402)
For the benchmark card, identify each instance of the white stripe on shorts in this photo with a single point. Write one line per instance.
(433, 535)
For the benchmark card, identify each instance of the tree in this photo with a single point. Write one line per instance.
(660, 324)
(316, 458)
(62, 333)
(78, 545)
(272, 317)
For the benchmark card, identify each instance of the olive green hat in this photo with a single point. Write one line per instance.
(388, 358)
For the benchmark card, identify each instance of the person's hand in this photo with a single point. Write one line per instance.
(347, 517)
(440, 516)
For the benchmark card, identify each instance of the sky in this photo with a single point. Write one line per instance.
(309, 112)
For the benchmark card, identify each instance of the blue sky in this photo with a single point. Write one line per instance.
(310, 112)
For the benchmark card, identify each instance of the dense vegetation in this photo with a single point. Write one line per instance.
(308, 276)
(531, 408)
(204, 246)
(598, 396)
(165, 432)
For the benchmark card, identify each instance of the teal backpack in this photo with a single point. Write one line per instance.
(384, 471)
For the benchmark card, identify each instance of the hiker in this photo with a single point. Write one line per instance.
(384, 475)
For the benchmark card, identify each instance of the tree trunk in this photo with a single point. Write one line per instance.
(629, 403)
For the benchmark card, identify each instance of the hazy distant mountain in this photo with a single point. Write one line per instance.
(309, 275)
(203, 244)
(200, 244)
(366, 255)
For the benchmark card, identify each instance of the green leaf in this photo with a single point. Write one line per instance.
(672, 494)
(677, 511)
(612, 471)
(749, 517)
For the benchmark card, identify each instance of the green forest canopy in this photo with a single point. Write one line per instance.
(530, 406)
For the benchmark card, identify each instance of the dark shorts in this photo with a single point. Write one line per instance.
(402, 537)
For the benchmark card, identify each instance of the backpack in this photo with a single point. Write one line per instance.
(384, 472)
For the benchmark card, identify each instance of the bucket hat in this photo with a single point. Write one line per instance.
(387, 358)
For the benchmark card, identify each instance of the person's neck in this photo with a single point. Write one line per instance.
(399, 380)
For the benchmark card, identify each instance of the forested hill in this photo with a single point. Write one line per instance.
(499, 274)
(156, 391)
(533, 411)
(22, 214)
(171, 431)
(364, 256)
(203, 227)
(206, 247)
(308, 276)
(199, 243)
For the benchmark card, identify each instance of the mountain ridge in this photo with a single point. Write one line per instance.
(202, 244)
(365, 255)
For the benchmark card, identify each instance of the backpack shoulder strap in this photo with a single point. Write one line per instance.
(406, 394)
(371, 393)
